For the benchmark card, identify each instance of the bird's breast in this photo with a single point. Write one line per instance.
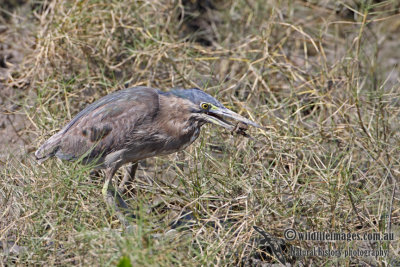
(193, 137)
(158, 143)
(179, 142)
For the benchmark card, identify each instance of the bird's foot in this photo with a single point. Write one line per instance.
(118, 205)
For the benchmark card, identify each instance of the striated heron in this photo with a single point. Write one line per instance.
(137, 123)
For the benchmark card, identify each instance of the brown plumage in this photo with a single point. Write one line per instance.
(134, 124)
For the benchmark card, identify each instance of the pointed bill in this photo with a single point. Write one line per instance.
(221, 117)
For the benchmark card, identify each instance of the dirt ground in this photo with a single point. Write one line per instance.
(14, 124)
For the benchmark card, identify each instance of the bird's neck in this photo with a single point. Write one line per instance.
(176, 118)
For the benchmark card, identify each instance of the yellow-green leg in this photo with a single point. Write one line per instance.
(113, 200)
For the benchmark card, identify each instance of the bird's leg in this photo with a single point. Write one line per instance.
(112, 198)
(129, 176)
(109, 175)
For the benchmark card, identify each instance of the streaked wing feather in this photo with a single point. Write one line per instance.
(128, 94)
(105, 125)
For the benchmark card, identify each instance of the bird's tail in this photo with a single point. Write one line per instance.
(49, 148)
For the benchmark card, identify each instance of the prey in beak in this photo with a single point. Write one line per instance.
(228, 119)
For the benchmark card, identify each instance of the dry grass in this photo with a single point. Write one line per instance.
(321, 76)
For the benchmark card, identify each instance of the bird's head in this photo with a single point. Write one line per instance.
(205, 108)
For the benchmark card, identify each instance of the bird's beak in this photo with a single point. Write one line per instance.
(219, 117)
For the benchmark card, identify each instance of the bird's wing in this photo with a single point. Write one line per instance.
(105, 125)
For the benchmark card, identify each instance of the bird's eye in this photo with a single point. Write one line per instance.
(205, 106)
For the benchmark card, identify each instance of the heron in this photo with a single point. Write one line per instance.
(133, 124)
